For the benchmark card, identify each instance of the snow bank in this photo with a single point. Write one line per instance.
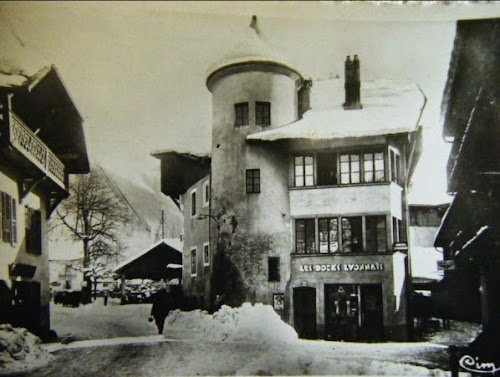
(20, 350)
(248, 323)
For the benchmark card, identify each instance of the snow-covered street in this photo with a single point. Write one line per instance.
(117, 340)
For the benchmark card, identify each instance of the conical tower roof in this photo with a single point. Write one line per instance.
(252, 49)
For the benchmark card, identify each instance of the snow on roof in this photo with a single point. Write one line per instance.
(18, 78)
(174, 265)
(253, 47)
(181, 151)
(174, 243)
(389, 107)
(424, 263)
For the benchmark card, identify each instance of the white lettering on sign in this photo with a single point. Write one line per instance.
(341, 267)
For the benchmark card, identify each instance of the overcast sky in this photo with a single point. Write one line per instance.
(137, 70)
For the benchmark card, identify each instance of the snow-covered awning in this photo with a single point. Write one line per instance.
(389, 107)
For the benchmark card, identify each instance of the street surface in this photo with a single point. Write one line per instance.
(117, 340)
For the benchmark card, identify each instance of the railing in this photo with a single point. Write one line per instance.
(35, 150)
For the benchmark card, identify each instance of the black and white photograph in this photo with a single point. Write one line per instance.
(251, 188)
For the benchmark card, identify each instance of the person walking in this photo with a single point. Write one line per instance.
(105, 297)
(160, 309)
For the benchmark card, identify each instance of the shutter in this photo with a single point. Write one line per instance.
(14, 222)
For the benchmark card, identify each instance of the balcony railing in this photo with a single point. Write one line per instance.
(26, 141)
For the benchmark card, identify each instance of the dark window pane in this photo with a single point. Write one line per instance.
(241, 114)
(352, 236)
(262, 113)
(327, 169)
(253, 181)
(274, 268)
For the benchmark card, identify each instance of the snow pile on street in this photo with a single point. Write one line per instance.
(20, 350)
(248, 323)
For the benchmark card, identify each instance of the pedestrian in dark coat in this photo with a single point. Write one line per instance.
(160, 309)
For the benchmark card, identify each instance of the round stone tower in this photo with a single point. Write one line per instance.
(253, 90)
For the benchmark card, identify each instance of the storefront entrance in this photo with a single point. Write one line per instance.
(353, 312)
(304, 308)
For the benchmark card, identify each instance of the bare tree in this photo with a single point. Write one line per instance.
(95, 215)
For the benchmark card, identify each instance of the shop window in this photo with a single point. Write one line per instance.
(273, 268)
(8, 218)
(241, 114)
(305, 237)
(263, 113)
(373, 167)
(193, 203)
(33, 224)
(303, 171)
(253, 181)
(376, 235)
(350, 168)
(352, 234)
(327, 169)
(328, 235)
(193, 261)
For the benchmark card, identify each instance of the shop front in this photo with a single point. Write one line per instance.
(349, 298)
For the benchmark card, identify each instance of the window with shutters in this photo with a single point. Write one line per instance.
(8, 218)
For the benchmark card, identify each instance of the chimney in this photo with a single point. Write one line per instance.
(352, 84)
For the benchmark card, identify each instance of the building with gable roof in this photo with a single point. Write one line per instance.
(41, 143)
(301, 202)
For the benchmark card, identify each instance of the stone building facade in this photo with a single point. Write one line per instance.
(307, 197)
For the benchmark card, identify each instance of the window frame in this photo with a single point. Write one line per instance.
(8, 218)
(304, 176)
(395, 166)
(342, 169)
(306, 236)
(262, 111)
(329, 232)
(206, 261)
(193, 203)
(33, 235)
(250, 176)
(206, 193)
(369, 220)
(241, 114)
(193, 253)
(360, 245)
(274, 277)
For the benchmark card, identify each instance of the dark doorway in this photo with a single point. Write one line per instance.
(341, 312)
(372, 325)
(304, 308)
(26, 305)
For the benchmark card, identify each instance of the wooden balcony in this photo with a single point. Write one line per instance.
(35, 150)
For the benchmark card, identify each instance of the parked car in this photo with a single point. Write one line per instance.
(68, 298)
